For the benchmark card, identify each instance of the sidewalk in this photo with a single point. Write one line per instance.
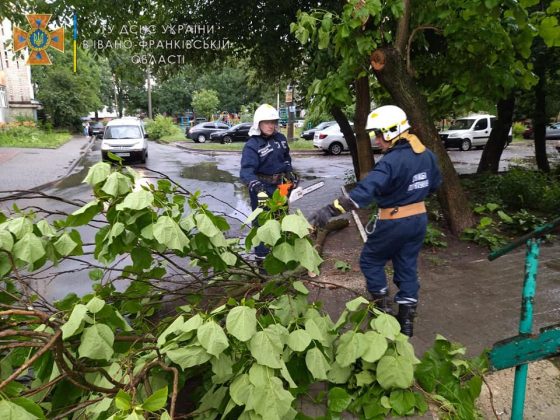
(33, 169)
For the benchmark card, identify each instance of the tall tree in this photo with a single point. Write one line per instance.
(430, 58)
(67, 96)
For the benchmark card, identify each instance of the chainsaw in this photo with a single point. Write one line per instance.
(299, 192)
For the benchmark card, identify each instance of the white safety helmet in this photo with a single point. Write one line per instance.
(265, 112)
(388, 120)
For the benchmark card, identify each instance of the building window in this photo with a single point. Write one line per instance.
(6, 59)
(3, 98)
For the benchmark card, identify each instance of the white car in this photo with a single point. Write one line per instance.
(332, 141)
(471, 131)
(125, 137)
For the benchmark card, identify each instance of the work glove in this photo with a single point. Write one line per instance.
(262, 198)
(256, 186)
(293, 178)
(339, 206)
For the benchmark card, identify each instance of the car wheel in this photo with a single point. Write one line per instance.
(335, 148)
(465, 145)
(201, 138)
(227, 140)
(144, 157)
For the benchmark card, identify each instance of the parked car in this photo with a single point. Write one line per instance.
(239, 132)
(332, 141)
(98, 129)
(125, 137)
(201, 132)
(552, 132)
(308, 134)
(468, 132)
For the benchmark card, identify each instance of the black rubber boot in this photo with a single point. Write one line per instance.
(382, 302)
(406, 318)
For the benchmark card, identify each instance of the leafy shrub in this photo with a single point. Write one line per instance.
(161, 126)
(434, 237)
(525, 189)
(518, 129)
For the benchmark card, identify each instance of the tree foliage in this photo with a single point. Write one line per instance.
(65, 95)
(205, 102)
(252, 348)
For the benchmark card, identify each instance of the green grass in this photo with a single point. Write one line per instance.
(33, 137)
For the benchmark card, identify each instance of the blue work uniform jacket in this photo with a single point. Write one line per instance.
(402, 177)
(265, 156)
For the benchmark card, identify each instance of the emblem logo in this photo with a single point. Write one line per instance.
(38, 39)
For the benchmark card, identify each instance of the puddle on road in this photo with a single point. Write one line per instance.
(207, 171)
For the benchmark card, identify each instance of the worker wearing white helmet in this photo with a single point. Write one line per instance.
(398, 185)
(266, 164)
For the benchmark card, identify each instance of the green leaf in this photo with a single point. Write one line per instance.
(286, 375)
(355, 304)
(298, 285)
(137, 200)
(29, 248)
(84, 214)
(123, 401)
(65, 245)
(222, 368)
(240, 389)
(272, 401)
(19, 226)
(296, 223)
(11, 411)
(324, 38)
(241, 322)
(339, 400)
(206, 226)
(45, 228)
(299, 340)
(259, 375)
(212, 338)
(395, 372)
(97, 342)
(75, 322)
(307, 255)
(6, 240)
(29, 406)
(266, 347)
(95, 305)
(386, 325)
(269, 232)
(97, 173)
(317, 364)
(284, 252)
(548, 30)
(168, 232)
(317, 331)
(349, 348)
(338, 374)
(375, 346)
(364, 378)
(188, 356)
(117, 184)
(402, 402)
(156, 401)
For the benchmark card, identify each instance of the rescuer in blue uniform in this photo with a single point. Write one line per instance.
(398, 185)
(265, 162)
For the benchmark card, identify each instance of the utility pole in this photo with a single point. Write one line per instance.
(149, 93)
(291, 110)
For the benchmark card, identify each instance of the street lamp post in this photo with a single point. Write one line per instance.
(291, 110)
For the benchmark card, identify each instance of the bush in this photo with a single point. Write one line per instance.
(161, 126)
(524, 189)
(518, 129)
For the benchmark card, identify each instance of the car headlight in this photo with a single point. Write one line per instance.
(454, 135)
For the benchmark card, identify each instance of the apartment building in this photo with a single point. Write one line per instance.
(16, 87)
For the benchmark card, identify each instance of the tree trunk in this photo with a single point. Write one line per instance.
(363, 149)
(390, 70)
(348, 135)
(539, 118)
(490, 159)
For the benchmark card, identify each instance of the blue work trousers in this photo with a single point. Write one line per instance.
(261, 250)
(400, 241)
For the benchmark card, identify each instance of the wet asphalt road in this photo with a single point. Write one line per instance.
(216, 175)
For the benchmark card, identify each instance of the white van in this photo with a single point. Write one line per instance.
(125, 137)
(468, 132)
